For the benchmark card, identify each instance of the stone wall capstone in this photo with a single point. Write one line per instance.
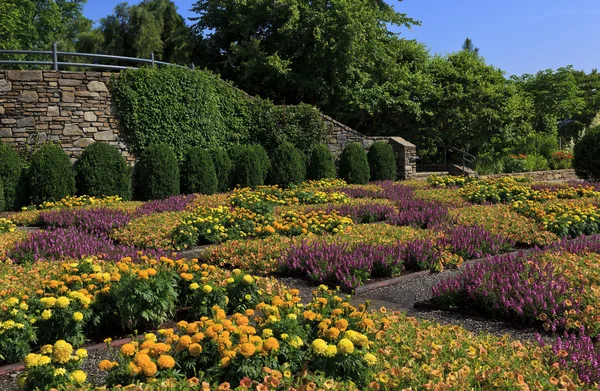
(72, 109)
(541, 176)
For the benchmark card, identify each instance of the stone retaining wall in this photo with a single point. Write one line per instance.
(541, 176)
(72, 109)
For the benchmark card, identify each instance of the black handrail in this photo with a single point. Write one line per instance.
(466, 157)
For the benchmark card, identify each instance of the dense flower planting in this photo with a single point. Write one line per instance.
(6, 226)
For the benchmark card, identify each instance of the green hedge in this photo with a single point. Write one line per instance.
(12, 177)
(189, 109)
(198, 173)
(586, 155)
(102, 171)
(287, 166)
(157, 173)
(320, 164)
(354, 167)
(223, 166)
(51, 175)
(2, 199)
(382, 162)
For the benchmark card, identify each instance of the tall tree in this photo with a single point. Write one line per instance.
(468, 46)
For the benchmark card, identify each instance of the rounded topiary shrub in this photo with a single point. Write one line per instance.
(102, 171)
(12, 178)
(263, 158)
(354, 167)
(198, 173)
(247, 167)
(2, 199)
(287, 166)
(157, 173)
(382, 162)
(51, 176)
(223, 166)
(586, 155)
(320, 163)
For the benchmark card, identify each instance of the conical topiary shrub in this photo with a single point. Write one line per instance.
(51, 176)
(102, 171)
(382, 162)
(287, 166)
(157, 173)
(198, 173)
(320, 163)
(354, 167)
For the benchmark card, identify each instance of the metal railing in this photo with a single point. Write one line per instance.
(466, 157)
(55, 64)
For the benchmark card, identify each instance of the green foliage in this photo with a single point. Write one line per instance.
(287, 166)
(2, 198)
(223, 166)
(197, 109)
(263, 157)
(382, 162)
(354, 166)
(157, 173)
(51, 176)
(11, 176)
(320, 164)
(102, 171)
(586, 156)
(514, 163)
(540, 143)
(198, 173)
(247, 167)
(536, 162)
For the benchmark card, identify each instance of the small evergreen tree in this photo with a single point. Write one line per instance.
(354, 167)
(12, 176)
(263, 158)
(51, 176)
(157, 173)
(198, 173)
(586, 155)
(382, 162)
(223, 166)
(320, 164)
(247, 167)
(102, 171)
(287, 166)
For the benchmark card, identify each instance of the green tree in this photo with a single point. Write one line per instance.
(469, 47)
(135, 31)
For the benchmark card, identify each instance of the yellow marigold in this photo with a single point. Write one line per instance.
(271, 344)
(225, 361)
(81, 353)
(150, 337)
(32, 360)
(128, 349)
(60, 372)
(207, 289)
(247, 349)
(46, 349)
(345, 346)
(195, 349)
(61, 352)
(44, 360)
(295, 342)
(48, 302)
(46, 314)
(166, 362)
(247, 279)
(194, 286)
(63, 302)
(77, 316)
(78, 376)
(370, 359)
(331, 351)
(319, 346)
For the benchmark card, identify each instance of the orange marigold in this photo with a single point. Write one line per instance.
(166, 362)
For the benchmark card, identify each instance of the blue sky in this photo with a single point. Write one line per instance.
(518, 36)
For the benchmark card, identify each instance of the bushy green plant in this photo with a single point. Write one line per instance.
(354, 166)
(102, 171)
(2, 199)
(514, 163)
(320, 164)
(51, 176)
(541, 144)
(247, 167)
(586, 155)
(157, 173)
(198, 173)
(536, 162)
(382, 162)
(223, 166)
(263, 158)
(11, 175)
(287, 166)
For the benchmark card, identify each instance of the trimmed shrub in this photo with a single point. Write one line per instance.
(263, 158)
(2, 199)
(157, 173)
(51, 176)
(536, 162)
(198, 173)
(382, 162)
(320, 164)
(12, 177)
(223, 166)
(102, 171)
(247, 165)
(586, 156)
(354, 166)
(287, 166)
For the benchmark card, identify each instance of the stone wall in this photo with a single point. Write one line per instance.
(339, 135)
(72, 109)
(541, 176)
